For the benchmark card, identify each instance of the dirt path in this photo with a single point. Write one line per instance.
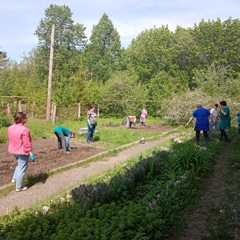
(65, 180)
(213, 194)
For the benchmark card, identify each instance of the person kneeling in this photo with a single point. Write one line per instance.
(64, 136)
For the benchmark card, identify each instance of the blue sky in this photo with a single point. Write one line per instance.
(19, 18)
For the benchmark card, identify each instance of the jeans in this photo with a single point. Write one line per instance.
(91, 130)
(205, 134)
(20, 170)
(63, 141)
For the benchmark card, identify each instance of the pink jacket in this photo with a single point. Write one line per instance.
(19, 140)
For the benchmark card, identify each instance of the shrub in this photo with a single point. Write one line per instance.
(179, 109)
(144, 202)
(4, 121)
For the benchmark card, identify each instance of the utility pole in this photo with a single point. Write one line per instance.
(50, 70)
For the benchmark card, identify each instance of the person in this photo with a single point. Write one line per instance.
(64, 136)
(20, 145)
(238, 122)
(91, 124)
(225, 121)
(131, 120)
(201, 116)
(143, 116)
(213, 120)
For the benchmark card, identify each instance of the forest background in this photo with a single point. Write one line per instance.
(167, 71)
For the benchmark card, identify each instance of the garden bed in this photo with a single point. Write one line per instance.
(48, 158)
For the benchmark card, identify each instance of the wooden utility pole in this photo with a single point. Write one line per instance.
(49, 97)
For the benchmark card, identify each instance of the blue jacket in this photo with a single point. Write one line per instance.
(202, 119)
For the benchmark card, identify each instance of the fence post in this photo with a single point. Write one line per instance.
(79, 111)
(54, 111)
(8, 109)
(19, 106)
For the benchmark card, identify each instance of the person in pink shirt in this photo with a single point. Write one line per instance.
(143, 116)
(20, 145)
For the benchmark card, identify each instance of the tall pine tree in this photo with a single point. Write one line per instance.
(104, 50)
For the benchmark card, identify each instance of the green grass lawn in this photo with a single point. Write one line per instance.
(110, 131)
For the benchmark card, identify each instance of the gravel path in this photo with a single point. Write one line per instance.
(65, 180)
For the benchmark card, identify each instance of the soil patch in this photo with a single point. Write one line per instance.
(48, 158)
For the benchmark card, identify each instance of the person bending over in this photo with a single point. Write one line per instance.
(64, 136)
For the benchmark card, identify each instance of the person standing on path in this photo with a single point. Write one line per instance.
(201, 116)
(20, 145)
(214, 117)
(225, 121)
(91, 124)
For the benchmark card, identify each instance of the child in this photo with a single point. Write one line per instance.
(20, 145)
(63, 137)
(238, 121)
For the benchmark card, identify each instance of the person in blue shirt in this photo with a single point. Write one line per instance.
(238, 121)
(63, 137)
(201, 116)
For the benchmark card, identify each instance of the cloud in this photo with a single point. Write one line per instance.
(19, 19)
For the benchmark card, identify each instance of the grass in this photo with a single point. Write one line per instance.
(148, 201)
(224, 221)
(110, 131)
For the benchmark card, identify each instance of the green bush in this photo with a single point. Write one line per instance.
(4, 121)
(143, 202)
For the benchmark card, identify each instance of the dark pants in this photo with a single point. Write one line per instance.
(91, 130)
(205, 134)
(223, 134)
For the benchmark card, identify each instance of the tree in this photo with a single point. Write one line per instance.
(3, 59)
(104, 50)
(151, 52)
(67, 34)
(69, 43)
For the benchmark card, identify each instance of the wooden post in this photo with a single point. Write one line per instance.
(98, 111)
(49, 97)
(79, 111)
(51, 113)
(54, 112)
(19, 107)
(8, 109)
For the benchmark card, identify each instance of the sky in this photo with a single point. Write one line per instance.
(20, 18)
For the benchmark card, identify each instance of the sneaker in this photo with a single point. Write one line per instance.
(21, 189)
